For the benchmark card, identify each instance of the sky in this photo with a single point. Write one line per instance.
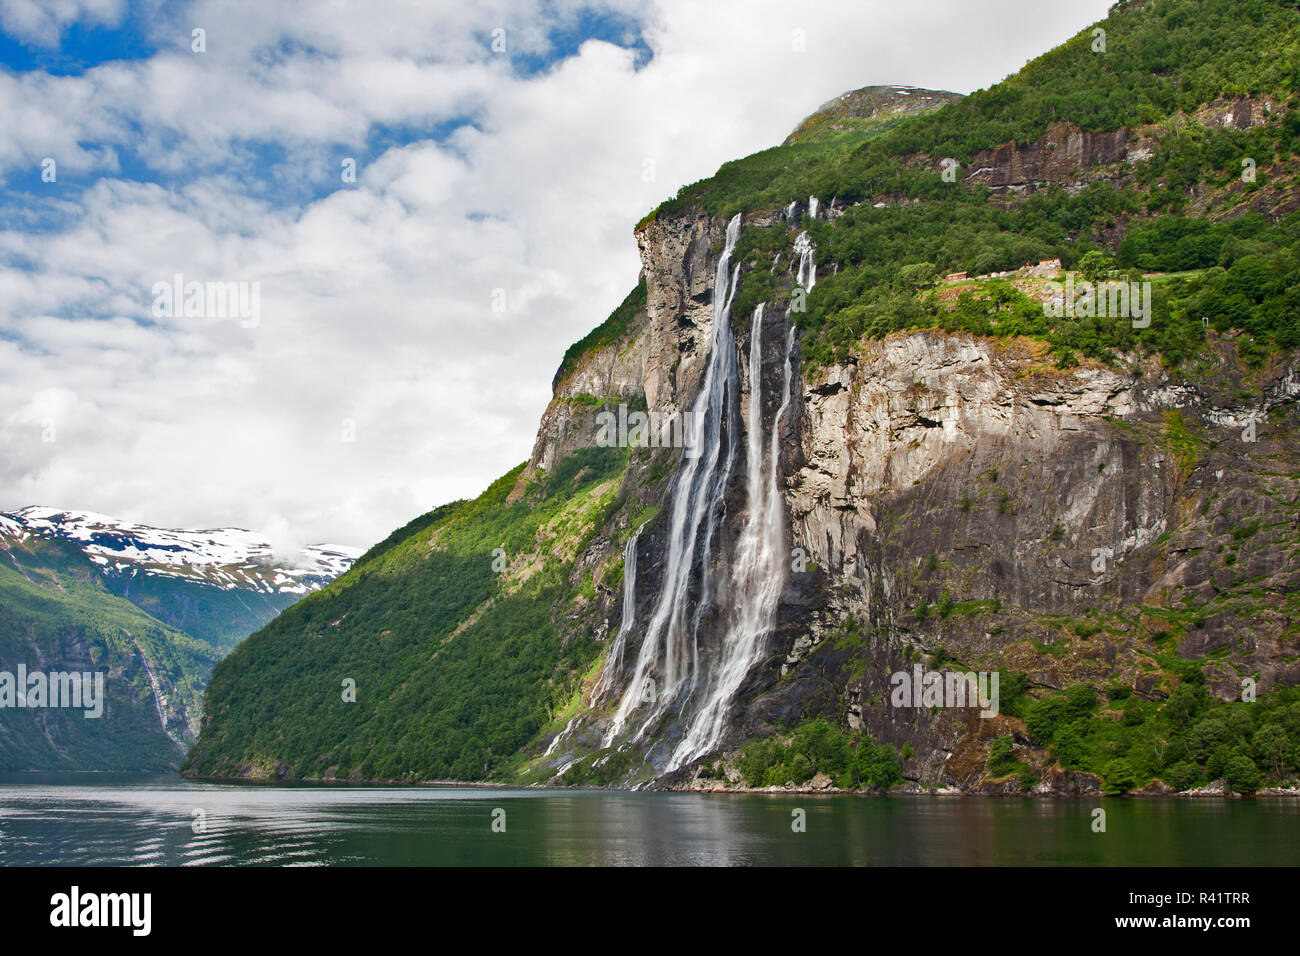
(398, 215)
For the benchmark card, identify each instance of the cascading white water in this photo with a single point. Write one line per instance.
(757, 573)
(614, 659)
(560, 736)
(697, 490)
(812, 207)
(806, 275)
(750, 578)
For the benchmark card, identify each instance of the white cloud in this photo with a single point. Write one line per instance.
(41, 22)
(376, 298)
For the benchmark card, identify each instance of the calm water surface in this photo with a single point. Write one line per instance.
(111, 819)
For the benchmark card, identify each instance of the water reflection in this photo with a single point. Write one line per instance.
(150, 821)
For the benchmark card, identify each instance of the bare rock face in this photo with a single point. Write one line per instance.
(1238, 112)
(1065, 155)
(1060, 515)
(678, 256)
(922, 407)
(665, 351)
(1068, 156)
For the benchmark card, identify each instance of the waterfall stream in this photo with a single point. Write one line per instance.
(761, 561)
(614, 660)
(698, 487)
(750, 585)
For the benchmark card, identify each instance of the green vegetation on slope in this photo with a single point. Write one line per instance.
(1161, 58)
(1187, 740)
(55, 615)
(818, 747)
(451, 643)
(1247, 277)
(1161, 63)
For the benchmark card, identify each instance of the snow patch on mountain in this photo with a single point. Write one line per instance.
(227, 558)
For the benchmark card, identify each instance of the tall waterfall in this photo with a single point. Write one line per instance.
(753, 581)
(697, 491)
(806, 275)
(761, 560)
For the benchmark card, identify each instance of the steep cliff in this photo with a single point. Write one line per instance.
(963, 499)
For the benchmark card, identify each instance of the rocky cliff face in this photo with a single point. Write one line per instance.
(57, 618)
(1070, 157)
(660, 359)
(1065, 156)
(1054, 510)
(966, 497)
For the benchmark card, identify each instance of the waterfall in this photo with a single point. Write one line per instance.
(698, 489)
(560, 736)
(614, 659)
(754, 578)
(759, 571)
(806, 275)
(812, 207)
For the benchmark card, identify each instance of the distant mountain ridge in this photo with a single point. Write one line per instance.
(225, 558)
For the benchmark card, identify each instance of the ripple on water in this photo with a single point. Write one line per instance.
(150, 823)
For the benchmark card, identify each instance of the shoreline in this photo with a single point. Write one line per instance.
(1215, 790)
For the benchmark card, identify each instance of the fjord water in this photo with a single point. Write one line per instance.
(164, 821)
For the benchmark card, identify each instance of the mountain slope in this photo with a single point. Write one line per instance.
(219, 585)
(868, 112)
(151, 609)
(451, 645)
(909, 472)
(57, 616)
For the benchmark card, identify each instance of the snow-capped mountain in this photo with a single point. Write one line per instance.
(153, 608)
(225, 558)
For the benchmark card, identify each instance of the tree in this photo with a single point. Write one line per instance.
(1096, 265)
(1183, 704)
(1080, 699)
(1243, 776)
(1271, 746)
(1206, 736)
(1069, 744)
(1182, 775)
(1119, 777)
(918, 275)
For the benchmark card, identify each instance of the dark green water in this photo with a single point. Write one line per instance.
(138, 820)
